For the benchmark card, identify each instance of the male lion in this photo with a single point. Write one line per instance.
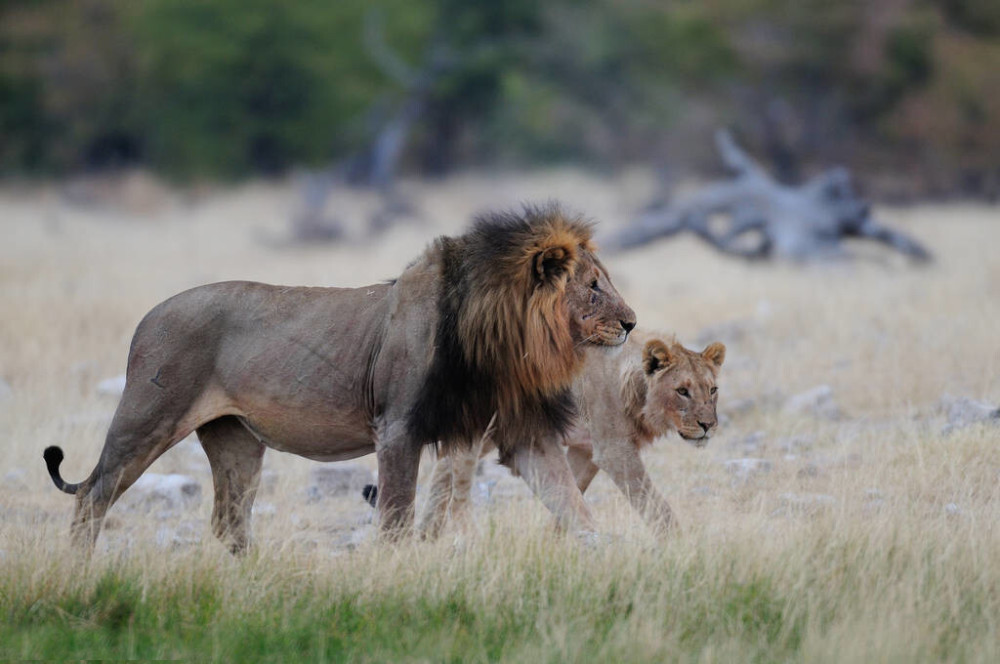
(626, 400)
(485, 327)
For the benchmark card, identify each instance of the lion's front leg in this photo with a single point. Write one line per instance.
(398, 463)
(543, 466)
(622, 462)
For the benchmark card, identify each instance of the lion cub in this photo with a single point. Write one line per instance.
(625, 400)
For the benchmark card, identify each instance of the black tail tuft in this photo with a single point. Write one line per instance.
(370, 494)
(53, 457)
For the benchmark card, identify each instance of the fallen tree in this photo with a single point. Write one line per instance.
(755, 217)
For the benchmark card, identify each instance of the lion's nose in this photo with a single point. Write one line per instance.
(627, 325)
(705, 426)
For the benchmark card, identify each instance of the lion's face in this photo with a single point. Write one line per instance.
(598, 314)
(681, 389)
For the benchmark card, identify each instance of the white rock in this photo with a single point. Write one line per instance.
(112, 387)
(338, 480)
(817, 401)
(764, 310)
(183, 535)
(169, 492)
(264, 509)
(796, 444)
(482, 492)
(747, 467)
(874, 505)
(195, 460)
(752, 442)
(16, 477)
(806, 503)
(963, 412)
(952, 509)
(362, 535)
(268, 482)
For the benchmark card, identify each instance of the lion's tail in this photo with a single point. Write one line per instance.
(370, 494)
(53, 457)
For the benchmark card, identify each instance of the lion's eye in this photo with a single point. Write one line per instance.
(682, 391)
(713, 390)
(594, 286)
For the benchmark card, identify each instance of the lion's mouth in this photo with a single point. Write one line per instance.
(699, 439)
(603, 338)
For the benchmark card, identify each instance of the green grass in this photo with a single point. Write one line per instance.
(540, 598)
(117, 616)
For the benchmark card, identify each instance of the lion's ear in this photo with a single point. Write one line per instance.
(551, 263)
(715, 353)
(656, 356)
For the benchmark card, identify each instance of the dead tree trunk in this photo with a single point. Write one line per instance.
(378, 164)
(753, 216)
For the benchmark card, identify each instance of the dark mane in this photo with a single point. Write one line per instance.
(502, 342)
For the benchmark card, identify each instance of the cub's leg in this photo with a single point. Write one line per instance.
(236, 457)
(398, 463)
(544, 467)
(450, 487)
(463, 474)
(622, 462)
(435, 512)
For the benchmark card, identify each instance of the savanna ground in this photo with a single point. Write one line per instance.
(874, 535)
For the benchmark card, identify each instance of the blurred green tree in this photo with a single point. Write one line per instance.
(230, 88)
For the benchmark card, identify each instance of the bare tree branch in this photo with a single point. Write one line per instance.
(801, 223)
(388, 61)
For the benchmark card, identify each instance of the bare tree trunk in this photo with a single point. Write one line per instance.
(803, 223)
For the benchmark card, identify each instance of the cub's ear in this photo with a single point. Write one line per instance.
(715, 353)
(656, 356)
(552, 263)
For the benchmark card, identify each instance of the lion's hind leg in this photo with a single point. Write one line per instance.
(137, 437)
(236, 458)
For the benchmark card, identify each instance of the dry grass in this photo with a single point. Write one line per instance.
(903, 564)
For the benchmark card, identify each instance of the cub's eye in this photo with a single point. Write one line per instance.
(593, 285)
(682, 391)
(713, 390)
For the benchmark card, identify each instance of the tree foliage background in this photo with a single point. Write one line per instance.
(907, 92)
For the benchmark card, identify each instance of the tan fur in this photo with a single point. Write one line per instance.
(330, 373)
(651, 399)
(626, 398)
